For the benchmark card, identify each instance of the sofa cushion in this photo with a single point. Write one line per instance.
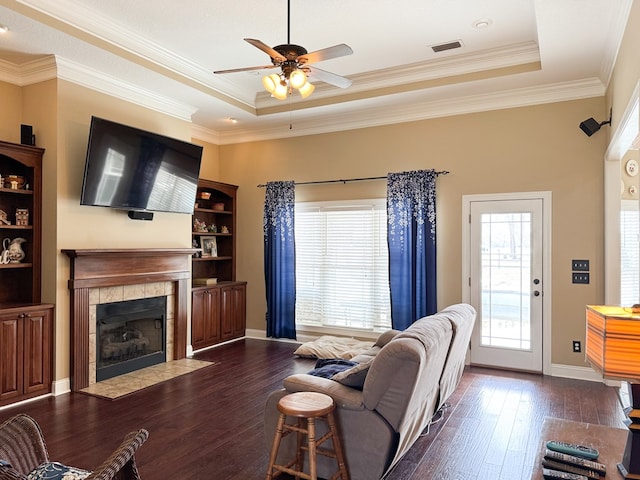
(57, 471)
(353, 377)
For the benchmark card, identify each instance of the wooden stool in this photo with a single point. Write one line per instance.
(306, 406)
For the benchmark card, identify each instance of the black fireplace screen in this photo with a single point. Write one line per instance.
(130, 335)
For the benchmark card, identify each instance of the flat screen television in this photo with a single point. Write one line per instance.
(132, 169)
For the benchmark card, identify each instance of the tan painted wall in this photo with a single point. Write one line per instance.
(210, 168)
(536, 148)
(40, 111)
(11, 118)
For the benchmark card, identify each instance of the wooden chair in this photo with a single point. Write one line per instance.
(22, 445)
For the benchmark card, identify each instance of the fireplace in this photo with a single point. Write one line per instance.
(130, 335)
(107, 272)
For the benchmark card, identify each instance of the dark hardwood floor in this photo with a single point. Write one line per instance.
(208, 424)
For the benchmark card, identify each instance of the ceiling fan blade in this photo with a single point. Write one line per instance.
(266, 49)
(245, 69)
(336, 51)
(328, 77)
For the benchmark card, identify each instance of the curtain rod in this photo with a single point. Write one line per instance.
(319, 182)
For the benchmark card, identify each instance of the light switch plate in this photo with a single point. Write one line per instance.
(579, 265)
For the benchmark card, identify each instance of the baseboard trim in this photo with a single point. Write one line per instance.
(262, 335)
(193, 352)
(24, 402)
(576, 373)
(255, 333)
(58, 387)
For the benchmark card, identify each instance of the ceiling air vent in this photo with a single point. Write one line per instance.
(446, 46)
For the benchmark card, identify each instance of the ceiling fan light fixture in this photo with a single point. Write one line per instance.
(280, 92)
(271, 82)
(297, 79)
(306, 90)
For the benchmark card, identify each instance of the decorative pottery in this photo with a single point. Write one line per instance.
(13, 249)
(19, 179)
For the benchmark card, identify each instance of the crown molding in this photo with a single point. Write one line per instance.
(94, 80)
(86, 24)
(205, 134)
(11, 73)
(50, 67)
(619, 23)
(416, 111)
(27, 73)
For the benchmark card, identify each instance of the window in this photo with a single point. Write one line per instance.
(629, 253)
(342, 275)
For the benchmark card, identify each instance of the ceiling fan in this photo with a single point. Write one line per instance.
(295, 65)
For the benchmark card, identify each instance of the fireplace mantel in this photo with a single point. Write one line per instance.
(91, 268)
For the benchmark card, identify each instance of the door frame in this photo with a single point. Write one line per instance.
(545, 196)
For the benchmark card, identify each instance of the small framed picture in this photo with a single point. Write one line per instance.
(209, 246)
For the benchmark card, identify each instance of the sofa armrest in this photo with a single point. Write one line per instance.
(345, 397)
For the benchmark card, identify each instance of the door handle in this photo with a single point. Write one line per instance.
(536, 293)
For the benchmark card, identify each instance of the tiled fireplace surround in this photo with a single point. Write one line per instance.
(119, 293)
(103, 276)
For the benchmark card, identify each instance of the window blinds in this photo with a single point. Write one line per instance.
(629, 253)
(342, 265)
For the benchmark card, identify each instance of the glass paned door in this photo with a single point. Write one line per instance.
(506, 283)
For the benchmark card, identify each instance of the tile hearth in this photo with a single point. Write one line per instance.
(128, 383)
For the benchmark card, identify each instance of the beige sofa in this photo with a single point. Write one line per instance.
(410, 376)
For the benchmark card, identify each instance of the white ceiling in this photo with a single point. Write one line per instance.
(161, 53)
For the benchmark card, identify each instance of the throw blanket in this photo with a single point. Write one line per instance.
(333, 347)
(327, 368)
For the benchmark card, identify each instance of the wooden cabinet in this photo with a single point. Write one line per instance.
(205, 315)
(26, 326)
(233, 310)
(26, 352)
(218, 312)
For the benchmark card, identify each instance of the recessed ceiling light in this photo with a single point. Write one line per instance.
(4, 29)
(233, 120)
(482, 23)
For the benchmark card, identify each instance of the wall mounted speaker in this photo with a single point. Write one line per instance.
(590, 126)
(138, 215)
(26, 135)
